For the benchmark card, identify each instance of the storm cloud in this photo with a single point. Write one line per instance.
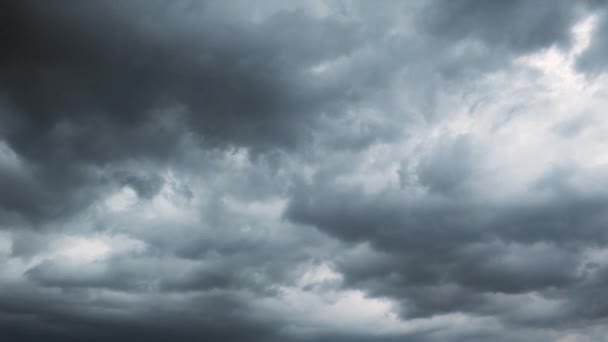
(303, 171)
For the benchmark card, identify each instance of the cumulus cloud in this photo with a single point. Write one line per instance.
(311, 171)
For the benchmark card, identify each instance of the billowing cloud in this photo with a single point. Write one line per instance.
(314, 171)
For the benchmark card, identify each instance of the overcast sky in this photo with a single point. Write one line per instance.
(304, 171)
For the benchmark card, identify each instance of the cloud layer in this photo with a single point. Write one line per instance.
(311, 171)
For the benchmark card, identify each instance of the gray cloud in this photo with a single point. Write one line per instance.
(455, 254)
(139, 89)
(325, 170)
(517, 26)
(591, 61)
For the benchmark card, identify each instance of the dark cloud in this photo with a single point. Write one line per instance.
(449, 166)
(315, 171)
(236, 81)
(85, 86)
(592, 60)
(441, 255)
(518, 26)
(61, 320)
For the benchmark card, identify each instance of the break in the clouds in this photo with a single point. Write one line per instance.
(303, 171)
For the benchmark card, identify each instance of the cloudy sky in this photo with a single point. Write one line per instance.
(304, 171)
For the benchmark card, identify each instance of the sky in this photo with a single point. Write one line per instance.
(304, 171)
